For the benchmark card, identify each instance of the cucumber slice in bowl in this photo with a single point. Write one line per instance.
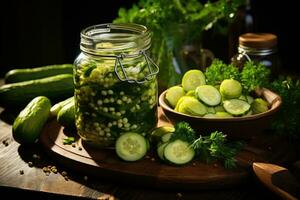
(192, 79)
(236, 107)
(131, 146)
(192, 106)
(174, 94)
(231, 89)
(209, 95)
(178, 152)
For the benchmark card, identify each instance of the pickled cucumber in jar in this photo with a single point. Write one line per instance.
(114, 95)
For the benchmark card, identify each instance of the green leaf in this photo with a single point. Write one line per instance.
(254, 76)
(218, 71)
(68, 140)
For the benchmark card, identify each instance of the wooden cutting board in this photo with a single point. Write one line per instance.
(150, 171)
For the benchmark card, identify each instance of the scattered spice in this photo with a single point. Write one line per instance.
(21, 172)
(194, 164)
(147, 157)
(54, 169)
(45, 169)
(79, 148)
(73, 145)
(64, 173)
(5, 142)
(153, 159)
(30, 164)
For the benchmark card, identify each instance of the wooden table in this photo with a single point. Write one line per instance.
(21, 172)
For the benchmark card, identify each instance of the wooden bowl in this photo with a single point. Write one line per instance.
(235, 128)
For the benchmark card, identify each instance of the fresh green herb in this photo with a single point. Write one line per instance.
(218, 71)
(254, 76)
(68, 140)
(175, 23)
(183, 132)
(286, 122)
(216, 147)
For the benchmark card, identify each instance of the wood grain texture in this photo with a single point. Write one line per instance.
(15, 157)
(150, 171)
(278, 179)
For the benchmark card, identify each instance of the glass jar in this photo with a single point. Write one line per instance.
(259, 48)
(115, 83)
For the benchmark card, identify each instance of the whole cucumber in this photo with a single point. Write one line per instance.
(19, 75)
(56, 88)
(28, 125)
(57, 107)
(66, 116)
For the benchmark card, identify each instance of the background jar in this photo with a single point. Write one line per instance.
(259, 48)
(115, 83)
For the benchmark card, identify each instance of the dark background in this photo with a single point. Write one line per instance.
(35, 33)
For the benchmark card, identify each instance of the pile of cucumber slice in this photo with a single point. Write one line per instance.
(194, 97)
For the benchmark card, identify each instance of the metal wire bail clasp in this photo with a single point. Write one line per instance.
(149, 61)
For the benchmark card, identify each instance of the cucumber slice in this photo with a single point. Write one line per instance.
(160, 150)
(219, 108)
(180, 101)
(131, 146)
(250, 99)
(211, 110)
(259, 105)
(192, 79)
(230, 89)
(182, 109)
(209, 115)
(250, 112)
(166, 137)
(243, 97)
(236, 107)
(190, 93)
(209, 95)
(178, 152)
(192, 106)
(223, 115)
(159, 132)
(173, 94)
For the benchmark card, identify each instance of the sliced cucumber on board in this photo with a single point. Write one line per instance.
(131, 146)
(178, 152)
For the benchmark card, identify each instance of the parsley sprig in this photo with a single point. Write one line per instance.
(216, 147)
(218, 71)
(287, 121)
(208, 148)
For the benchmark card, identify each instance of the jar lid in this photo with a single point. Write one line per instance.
(258, 40)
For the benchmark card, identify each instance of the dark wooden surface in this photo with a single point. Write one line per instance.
(149, 171)
(34, 182)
